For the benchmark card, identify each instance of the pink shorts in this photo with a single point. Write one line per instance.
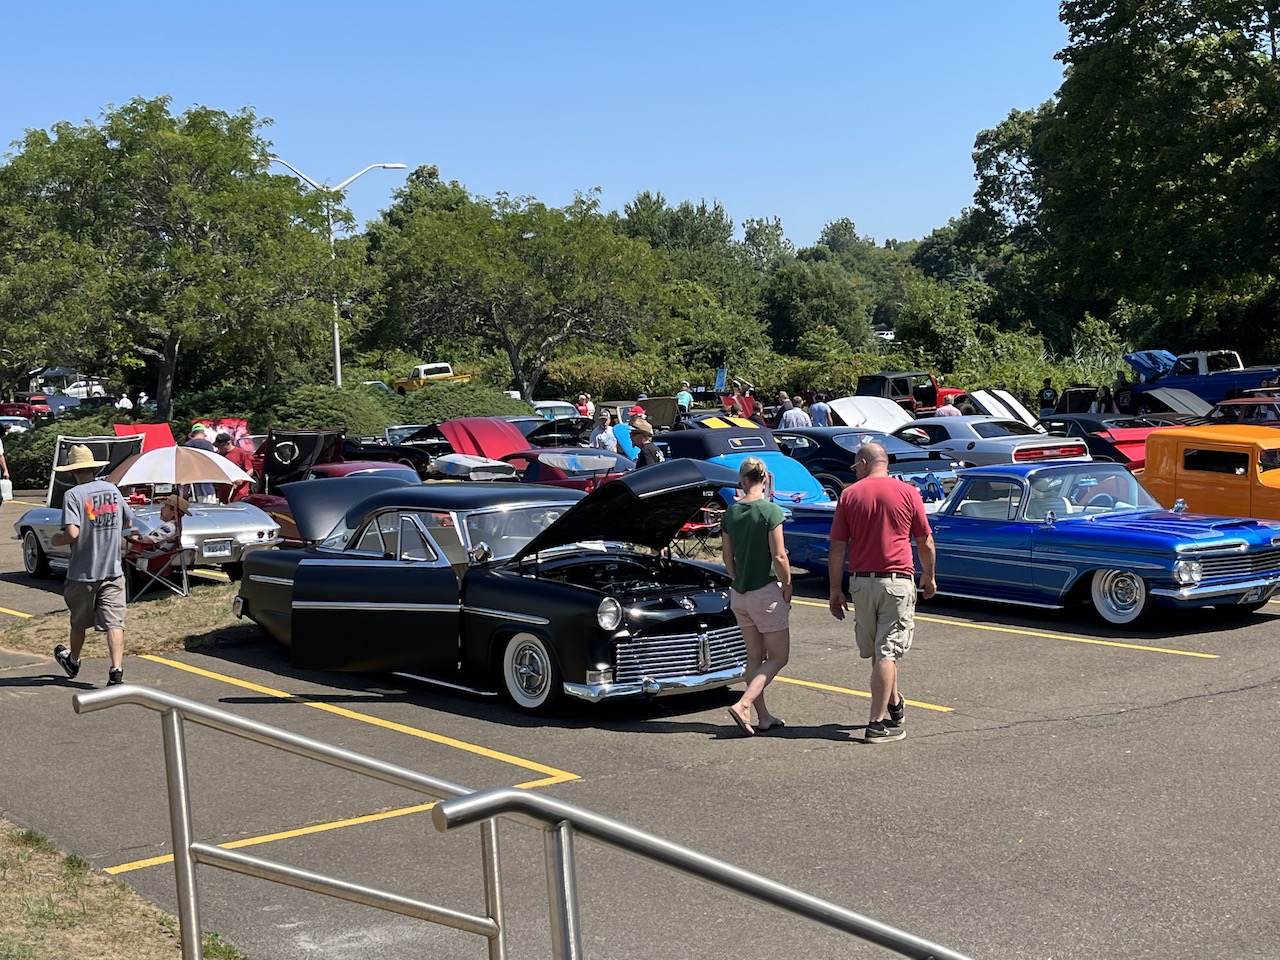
(764, 609)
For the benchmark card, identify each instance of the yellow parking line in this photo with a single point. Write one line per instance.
(553, 774)
(1024, 632)
(16, 613)
(859, 693)
(282, 835)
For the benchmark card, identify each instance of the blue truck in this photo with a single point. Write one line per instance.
(1212, 375)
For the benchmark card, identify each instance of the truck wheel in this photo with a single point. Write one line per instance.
(400, 391)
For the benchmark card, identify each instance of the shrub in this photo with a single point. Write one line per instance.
(356, 409)
(435, 402)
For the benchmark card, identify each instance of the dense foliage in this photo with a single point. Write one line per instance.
(1136, 208)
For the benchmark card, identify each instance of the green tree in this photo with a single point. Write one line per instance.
(160, 232)
(520, 277)
(806, 294)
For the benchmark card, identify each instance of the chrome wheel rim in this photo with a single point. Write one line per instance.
(1120, 593)
(30, 556)
(530, 671)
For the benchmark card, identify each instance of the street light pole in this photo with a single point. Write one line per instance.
(330, 194)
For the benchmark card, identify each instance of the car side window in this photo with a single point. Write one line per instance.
(381, 536)
(937, 433)
(413, 546)
(1216, 461)
(990, 500)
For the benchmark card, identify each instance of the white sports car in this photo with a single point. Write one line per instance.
(213, 535)
(981, 441)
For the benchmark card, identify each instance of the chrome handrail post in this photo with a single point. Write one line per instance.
(562, 891)
(491, 864)
(184, 864)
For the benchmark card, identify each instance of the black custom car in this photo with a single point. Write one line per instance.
(828, 452)
(536, 591)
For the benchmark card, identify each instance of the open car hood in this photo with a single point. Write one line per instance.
(871, 413)
(289, 455)
(1181, 401)
(1001, 403)
(114, 450)
(464, 466)
(318, 505)
(483, 437)
(1150, 364)
(646, 507)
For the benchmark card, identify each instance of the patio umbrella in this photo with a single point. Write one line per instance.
(176, 465)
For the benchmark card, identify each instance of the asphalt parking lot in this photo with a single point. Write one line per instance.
(1065, 791)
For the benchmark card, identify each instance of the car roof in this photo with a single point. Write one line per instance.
(1247, 433)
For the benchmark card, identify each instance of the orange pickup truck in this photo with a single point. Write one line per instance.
(1225, 469)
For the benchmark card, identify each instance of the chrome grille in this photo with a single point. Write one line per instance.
(1241, 564)
(669, 657)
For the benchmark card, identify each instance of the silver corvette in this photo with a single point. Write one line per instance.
(214, 535)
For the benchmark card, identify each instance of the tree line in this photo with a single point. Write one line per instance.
(1137, 208)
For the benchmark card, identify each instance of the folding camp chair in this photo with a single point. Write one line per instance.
(694, 538)
(162, 563)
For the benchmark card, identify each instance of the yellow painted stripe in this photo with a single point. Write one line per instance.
(859, 693)
(1023, 632)
(16, 613)
(557, 775)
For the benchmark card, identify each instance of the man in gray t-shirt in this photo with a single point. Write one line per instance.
(94, 517)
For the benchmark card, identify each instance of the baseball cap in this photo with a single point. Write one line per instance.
(636, 411)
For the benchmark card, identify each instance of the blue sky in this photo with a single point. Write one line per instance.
(809, 112)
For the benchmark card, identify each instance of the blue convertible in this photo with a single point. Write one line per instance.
(1050, 535)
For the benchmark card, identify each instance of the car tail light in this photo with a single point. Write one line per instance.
(1023, 454)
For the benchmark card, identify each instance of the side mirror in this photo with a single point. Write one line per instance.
(481, 553)
(1049, 518)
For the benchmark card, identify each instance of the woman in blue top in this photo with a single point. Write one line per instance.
(754, 555)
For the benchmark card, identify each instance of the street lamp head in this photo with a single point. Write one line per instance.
(392, 166)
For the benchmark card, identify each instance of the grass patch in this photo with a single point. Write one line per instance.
(157, 624)
(53, 906)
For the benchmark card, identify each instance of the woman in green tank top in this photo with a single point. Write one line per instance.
(754, 555)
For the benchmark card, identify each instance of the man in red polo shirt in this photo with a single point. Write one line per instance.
(876, 519)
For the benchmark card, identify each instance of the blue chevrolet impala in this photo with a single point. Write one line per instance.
(1049, 535)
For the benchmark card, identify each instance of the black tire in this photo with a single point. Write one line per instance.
(34, 559)
(530, 675)
(1119, 597)
(831, 485)
(234, 571)
(400, 391)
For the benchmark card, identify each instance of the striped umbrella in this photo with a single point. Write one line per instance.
(176, 465)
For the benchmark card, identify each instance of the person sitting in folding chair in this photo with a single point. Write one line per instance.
(152, 557)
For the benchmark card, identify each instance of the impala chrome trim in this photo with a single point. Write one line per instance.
(507, 615)
(376, 607)
(1201, 590)
(275, 581)
(1020, 603)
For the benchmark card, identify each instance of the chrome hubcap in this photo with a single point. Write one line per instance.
(1122, 592)
(530, 670)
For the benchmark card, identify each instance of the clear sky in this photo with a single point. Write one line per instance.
(808, 111)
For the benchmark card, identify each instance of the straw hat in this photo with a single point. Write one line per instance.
(642, 426)
(80, 457)
(178, 503)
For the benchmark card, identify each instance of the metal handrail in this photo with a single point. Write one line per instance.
(560, 821)
(187, 852)
(564, 820)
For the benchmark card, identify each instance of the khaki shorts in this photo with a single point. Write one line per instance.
(884, 615)
(764, 609)
(97, 603)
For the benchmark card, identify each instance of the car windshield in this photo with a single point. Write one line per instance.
(507, 531)
(1003, 428)
(1086, 490)
(892, 445)
(398, 434)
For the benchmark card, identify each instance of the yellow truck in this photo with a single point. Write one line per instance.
(425, 373)
(1226, 469)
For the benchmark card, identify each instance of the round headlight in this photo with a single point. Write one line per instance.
(1187, 571)
(609, 614)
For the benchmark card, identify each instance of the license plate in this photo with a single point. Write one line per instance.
(216, 548)
(1253, 596)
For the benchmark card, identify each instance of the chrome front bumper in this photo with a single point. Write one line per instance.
(1198, 591)
(649, 687)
